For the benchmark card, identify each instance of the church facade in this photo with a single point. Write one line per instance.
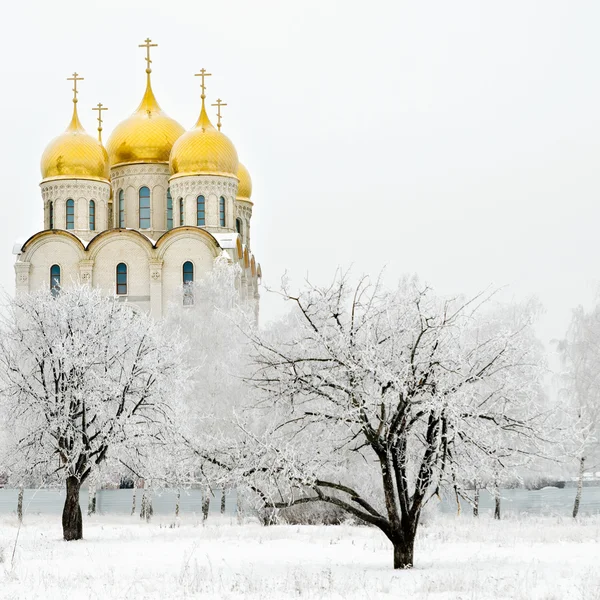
(144, 215)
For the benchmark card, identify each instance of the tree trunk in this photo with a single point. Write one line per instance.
(476, 500)
(177, 504)
(133, 501)
(205, 507)
(404, 553)
(579, 487)
(92, 496)
(223, 502)
(496, 503)
(20, 505)
(71, 517)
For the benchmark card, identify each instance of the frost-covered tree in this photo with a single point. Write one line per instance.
(372, 400)
(83, 377)
(580, 356)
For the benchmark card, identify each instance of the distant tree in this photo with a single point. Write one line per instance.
(82, 378)
(372, 400)
(580, 390)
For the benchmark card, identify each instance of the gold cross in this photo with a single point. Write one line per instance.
(147, 45)
(75, 79)
(203, 74)
(218, 104)
(100, 108)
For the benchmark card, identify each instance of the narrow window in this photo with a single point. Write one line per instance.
(121, 279)
(51, 214)
(70, 214)
(238, 226)
(121, 209)
(92, 215)
(200, 221)
(188, 280)
(169, 209)
(54, 280)
(144, 208)
(181, 219)
(222, 211)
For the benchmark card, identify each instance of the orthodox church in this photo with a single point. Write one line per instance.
(144, 215)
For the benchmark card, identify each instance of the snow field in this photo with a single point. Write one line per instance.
(531, 558)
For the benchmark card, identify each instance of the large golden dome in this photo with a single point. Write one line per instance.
(147, 136)
(74, 155)
(204, 151)
(245, 185)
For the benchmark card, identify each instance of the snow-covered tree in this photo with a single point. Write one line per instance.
(83, 377)
(580, 356)
(372, 400)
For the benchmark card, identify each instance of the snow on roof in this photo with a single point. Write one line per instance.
(226, 240)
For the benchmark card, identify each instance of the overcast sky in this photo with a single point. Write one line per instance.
(456, 140)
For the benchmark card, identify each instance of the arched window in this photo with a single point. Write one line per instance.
(181, 216)
(222, 211)
(121, 209)
(200, 220)
(92, 215)
(51, 215)
(70, 217)
(121, 279)
(188, 280)
(238, 226)
(169, 209)
(54, 280)
(144, 208)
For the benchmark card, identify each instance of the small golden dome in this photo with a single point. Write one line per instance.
(245, 186)
(74, 155)
(147, 136)
(204, 151)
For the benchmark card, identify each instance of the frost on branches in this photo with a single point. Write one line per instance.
(84, 378)
(373, 400)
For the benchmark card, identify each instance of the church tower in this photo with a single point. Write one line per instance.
(146, 217)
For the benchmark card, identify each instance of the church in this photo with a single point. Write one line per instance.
(145, 214)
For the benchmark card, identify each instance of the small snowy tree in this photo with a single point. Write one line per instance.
(83, 377)
(580, 355)
(372, 400)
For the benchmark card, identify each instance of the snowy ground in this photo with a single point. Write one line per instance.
(456, 558)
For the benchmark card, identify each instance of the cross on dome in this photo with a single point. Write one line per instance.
(147, 44)
(100, 107)
(218, 104)
(203, 74)
(75, 79)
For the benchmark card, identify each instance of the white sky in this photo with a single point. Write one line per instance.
(457, 140)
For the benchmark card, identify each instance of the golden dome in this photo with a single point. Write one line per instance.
(147, 136)
(204, 151)
(245, 186)
(74, 155)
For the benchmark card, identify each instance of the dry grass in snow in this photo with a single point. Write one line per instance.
(456, 558)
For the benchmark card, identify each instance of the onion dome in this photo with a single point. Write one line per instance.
(147, 136)
(74, 154)
(204, 151)
(245, 185)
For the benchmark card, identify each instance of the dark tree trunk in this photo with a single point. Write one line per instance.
(20, 505)
(71, 518)
(92, 498)
(223, 502)
(177, 504)
(476, 500)
(205, 507)
(404, 553)
(579, 487)
(133, 501)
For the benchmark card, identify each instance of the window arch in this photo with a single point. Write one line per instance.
(222, 211)
(70, 216)
(188, 280)
(121, 209)
(238, 225)
(144, 197)
(121, 279)
(92, 215)
(169, 209)
(201, 214)
(55, 280)
(51, 215)
(181, 215)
